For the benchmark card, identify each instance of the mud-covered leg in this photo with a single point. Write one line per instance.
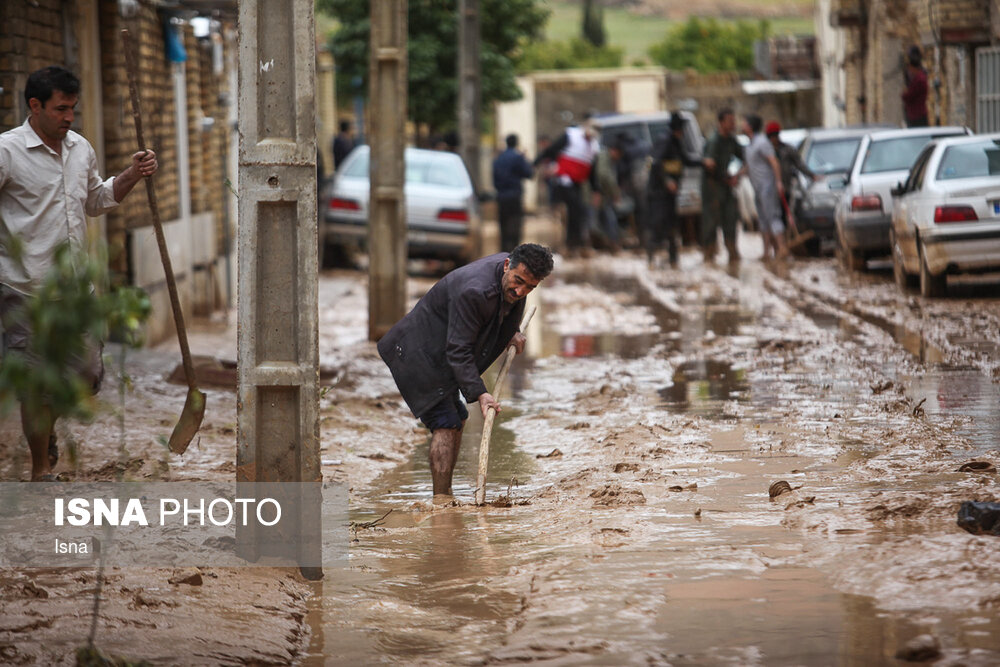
(443, 454)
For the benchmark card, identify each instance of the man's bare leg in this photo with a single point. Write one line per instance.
(443, 454)
(37, 426)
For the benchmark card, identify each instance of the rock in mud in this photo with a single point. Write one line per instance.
(980, 518)
(554, 454)
(920, 649)
(190, 576)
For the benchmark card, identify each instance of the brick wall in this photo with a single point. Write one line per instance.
(30, 38)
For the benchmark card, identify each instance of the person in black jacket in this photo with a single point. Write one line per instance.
(439, 350)
(665, 173)
(509, 169)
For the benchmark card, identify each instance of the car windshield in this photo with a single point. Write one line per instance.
(634, 131)
(435, 169)
(970, 160)
(357, 166)
(893, 154)
(826, 157)
(427, 168)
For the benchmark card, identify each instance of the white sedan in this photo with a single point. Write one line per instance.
(946, 217)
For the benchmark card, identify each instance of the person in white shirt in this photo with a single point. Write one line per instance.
(49, 183)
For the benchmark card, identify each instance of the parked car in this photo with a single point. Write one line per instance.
(645, 129)
(829, 153)
(946, 217)
(863, 213)
(442, 208)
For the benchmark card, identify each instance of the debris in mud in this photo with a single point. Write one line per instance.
(378, 456)
(626, 467)
(778, 488)
(610, 537)
(798, 504)
(508, 500)
(920, 649)
(918, 410)
(191, 577)
(614, 495)
(693, 486)
(697, 514)
(881, 387)
(980, 518)
(30, 590)
(554, 454)
(355, 526)
(578, 426)
(977, 466)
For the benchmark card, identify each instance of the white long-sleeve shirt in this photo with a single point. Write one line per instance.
(44, 200)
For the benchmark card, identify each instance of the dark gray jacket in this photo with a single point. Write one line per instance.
(451, 336)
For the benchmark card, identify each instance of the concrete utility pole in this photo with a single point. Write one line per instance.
(387, 138)
(277, 404)
(469, 86)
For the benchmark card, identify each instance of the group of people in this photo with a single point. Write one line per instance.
(628, 182)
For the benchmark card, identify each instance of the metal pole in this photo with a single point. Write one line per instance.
(387, 138)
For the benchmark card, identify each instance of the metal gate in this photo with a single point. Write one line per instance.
(988, 89)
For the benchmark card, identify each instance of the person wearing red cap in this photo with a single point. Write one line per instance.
(790, 162)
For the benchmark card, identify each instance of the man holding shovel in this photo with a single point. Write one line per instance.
(49, 183)
(439, 350)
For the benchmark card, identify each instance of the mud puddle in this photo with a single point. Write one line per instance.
(640, 529)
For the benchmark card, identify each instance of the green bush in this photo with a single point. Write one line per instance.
(710, 46)
(575, 53)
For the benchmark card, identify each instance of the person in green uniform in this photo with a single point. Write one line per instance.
(718, 201)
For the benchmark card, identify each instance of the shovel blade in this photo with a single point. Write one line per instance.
(189, 422)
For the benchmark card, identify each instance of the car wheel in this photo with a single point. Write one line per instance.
(930, 285)
(903, 279)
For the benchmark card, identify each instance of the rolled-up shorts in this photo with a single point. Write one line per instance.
(450, 412)
(769, 210)
(17, 340)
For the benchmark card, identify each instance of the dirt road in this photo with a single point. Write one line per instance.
(631, 521)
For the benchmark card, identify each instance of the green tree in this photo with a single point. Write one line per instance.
(432, 45)
(710, 46)
(593, 23)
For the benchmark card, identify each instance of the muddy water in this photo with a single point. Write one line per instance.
(667, 398)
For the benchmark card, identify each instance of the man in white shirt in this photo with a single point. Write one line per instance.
(765, 176)
(49, 183)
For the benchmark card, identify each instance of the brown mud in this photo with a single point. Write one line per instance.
(630, 520)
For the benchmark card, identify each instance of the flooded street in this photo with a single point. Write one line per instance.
(630, 516)
(631, 521)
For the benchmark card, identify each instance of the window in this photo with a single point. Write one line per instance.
(970, 161)
(988, 89)
(827, 157)
(893, 154)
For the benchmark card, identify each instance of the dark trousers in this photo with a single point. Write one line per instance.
(576, 213)
(511, 213)
(662, 224)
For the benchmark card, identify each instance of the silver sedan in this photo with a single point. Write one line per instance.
(442, 209)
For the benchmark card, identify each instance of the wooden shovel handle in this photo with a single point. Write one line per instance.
(484, 444)
(161, 242)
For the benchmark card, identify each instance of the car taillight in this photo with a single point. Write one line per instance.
(866, 203)
(454, 214)
(954, 214)
(341, 204)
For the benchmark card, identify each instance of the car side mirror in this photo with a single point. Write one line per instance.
(837, 183)
(898, 190)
